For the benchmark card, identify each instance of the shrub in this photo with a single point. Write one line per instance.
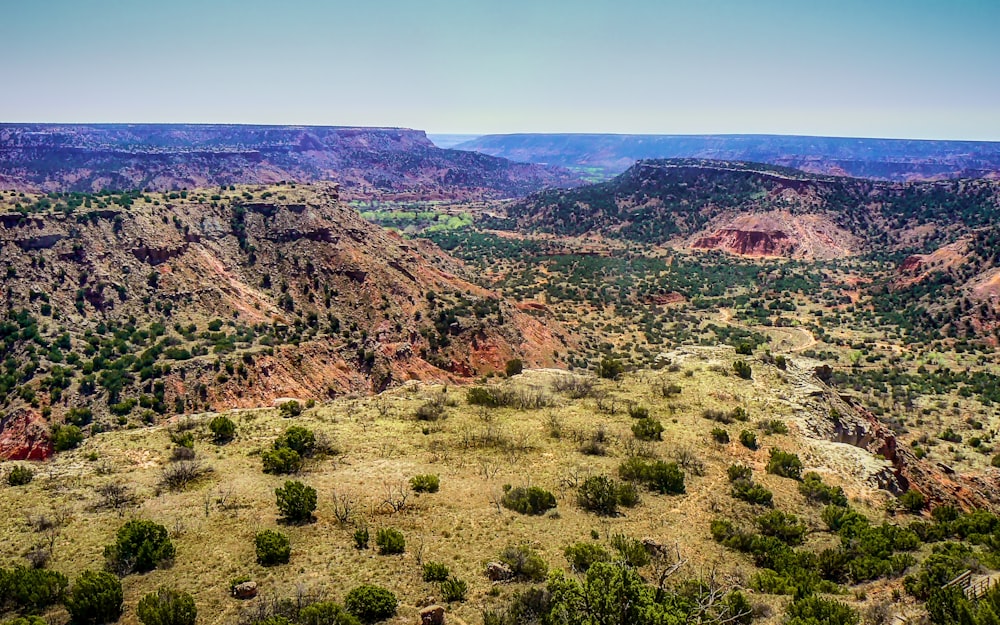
(632, 551)
(435, 572)
(298, 439)
(739, 472)
(326, 613)
(425, 483)
(389, 541)
(272, 548)
(773, 426)
(296, 501)
(167, 607)
(525, 563)
(816, 610)
(599, 494)
(742, 369)
(912, 501)
(610, 368)
(222, 428)
(785, 527)
(530, 500)
(361, 538)
(744, 349)
(65, 437)
(79, 416)
(638, 412)
(514, 367)
(665, 477)
(628, 495)
(19, 475)
(290, 409)
(140, 546)
(995, 461)
(720, 436)
(784, 464)
(748, 439)
(31, 590)
(371, 603)
(96, 598)
(281, 461)
(648, 430)
(582, 555)
(814, 489)
(752, 493)
(453, 589)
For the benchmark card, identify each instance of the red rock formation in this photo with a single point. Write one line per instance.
(24, 435)
(746, 242)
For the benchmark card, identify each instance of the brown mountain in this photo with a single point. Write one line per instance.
(158, 157)
(146, 305)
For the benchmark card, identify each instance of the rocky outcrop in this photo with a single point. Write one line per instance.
(432, 615)
(39, 242)
(747, 242)
(158, 255)
(24, 435)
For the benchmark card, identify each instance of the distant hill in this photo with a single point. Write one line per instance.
(882, 159)
(759, 209)
(163, 157)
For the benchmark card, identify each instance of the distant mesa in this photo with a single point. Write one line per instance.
(164, 157)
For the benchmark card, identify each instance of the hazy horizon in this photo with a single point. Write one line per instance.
(897, 70)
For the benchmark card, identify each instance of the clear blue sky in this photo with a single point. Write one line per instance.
(888, 68)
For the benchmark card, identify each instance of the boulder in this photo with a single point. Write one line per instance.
(498, 572)
(432, 615)
(246, 590)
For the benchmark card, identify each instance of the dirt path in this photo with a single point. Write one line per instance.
(797, 339)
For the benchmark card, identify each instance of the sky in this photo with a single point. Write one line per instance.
(869, 68)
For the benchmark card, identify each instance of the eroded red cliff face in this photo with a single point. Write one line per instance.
(24, 435)
(747, 242)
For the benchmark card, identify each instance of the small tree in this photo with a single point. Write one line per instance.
(530, 500)
(784, 464)
(514, 367)
(610, 368)
(223, 429)
(19, 475)
(272, 548)
(912, 501)
(96, 598)
(291, 409)
(296, 501)
(140, 546)
(65, 437)
(648, 430)
(390, 541)
(167, 607)
(326, 613)
(281, 461)
(742, 369)
(370, 603)
(748, 439)
(599, 494)
(435, 572)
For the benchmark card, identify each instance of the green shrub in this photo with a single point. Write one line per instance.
(298, 439)
(630, 550)
(638, 412)
(425, 483)
(371, 604)
(30, 619)
(773, 426)
(785, 527)
(79, 416)
(720, 436)
(739, 472)
(744, 349)
(453, 589)
(326, 613)
(296, 501)
(995, 461)
(582, 555)
(65, 437)
(818, 611)
(599, 494)
(610, 368)
(435, 572)
(530, 500)
(236, 581)
(389, 541)
(19, 475)
(479, 396)
(663, 477)
(31, 590)
(525, 563)
(223, 429)
(167, 607)
(361, 538)
(96, 598)
(814, 489)
(648, 430)
(281, 461)
(514, 367)
(748, 439)
(272, 548)
(742, 369)
(140, 546)
(290, 409)
(752, 493)
(784, 464)
(912, 501)
(628, 495)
